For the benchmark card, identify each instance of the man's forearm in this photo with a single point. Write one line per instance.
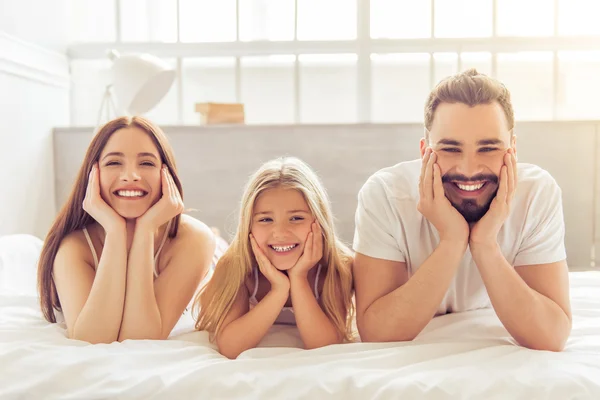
(403, 313)
(532, 319)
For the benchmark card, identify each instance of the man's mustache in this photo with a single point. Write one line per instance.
(462, 178)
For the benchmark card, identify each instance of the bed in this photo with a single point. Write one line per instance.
(464, 355)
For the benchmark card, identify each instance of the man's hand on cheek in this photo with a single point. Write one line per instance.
(434, 205)
(485, 231)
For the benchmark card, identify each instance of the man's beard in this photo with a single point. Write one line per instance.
(468, 208)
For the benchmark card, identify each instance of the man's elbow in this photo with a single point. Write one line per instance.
(374, 333)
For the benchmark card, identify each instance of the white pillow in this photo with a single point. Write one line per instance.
(19, 256)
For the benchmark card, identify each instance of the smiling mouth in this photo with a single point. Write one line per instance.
(283, 249)
(471, 187)
(130, 194)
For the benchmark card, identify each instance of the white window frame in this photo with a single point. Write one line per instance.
(363, 46)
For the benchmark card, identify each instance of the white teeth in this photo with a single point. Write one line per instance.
(283, 248)
(469, 188)
(130, 193)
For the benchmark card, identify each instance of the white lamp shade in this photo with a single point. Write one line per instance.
(140, 81)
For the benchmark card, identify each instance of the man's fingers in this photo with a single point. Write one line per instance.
(428, 178)
(438, 187)
(503, 187)
(423, 167)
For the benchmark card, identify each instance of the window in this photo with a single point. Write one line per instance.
(528, 76)
(463, 18)
(85, 16)
(328, 88)
(148, 20)
(268, 89)
(396, 19)
(326, 19)
(579, 84)
(400, 83)
(319, 61)
(207, 20)
(266, 20)
(207, 80)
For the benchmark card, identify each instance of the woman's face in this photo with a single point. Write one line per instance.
(130, 179)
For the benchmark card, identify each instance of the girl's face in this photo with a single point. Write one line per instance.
(281, 222)
(130, 165)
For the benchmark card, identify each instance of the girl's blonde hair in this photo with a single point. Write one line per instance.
(216, 298)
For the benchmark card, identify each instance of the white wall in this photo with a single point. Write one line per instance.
(34, 98)
(40, 22)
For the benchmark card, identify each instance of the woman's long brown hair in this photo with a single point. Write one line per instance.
(73, 217)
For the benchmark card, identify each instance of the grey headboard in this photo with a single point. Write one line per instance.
(214, 163)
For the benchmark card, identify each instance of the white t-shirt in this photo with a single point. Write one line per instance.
(388, 226)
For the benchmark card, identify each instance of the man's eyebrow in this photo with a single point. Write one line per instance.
(488, 142)
(449, 142)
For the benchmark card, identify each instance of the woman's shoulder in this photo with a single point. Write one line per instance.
(194, 232)
(75, 244)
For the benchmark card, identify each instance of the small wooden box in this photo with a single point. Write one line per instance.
(221, 113)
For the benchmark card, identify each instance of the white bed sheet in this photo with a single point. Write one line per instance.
(466, 355)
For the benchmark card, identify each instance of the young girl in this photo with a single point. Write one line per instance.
(284, 253)
(120, 261)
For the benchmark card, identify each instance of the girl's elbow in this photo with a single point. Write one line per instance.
(230, 352)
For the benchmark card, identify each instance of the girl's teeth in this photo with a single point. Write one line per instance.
(283, 248)
(469, 188)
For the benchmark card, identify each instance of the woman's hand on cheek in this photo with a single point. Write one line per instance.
(97, 208)
(168, 207)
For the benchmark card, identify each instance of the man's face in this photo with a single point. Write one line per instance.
(470, 143)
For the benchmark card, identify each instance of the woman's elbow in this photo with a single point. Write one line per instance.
(91, 338)
(555, 344)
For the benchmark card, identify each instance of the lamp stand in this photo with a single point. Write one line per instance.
(107, 104)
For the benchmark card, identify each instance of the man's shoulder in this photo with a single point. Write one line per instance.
(398, 181)
(533, 179)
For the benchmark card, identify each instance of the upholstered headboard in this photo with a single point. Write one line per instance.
(214, 163)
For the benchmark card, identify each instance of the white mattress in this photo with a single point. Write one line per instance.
(467, 355)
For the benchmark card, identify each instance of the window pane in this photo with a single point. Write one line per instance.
(397, 19)
(444, 64)
(328, 88)
(206, 80)
(88, 83)
(92, 21)
(528, 77)
(326, 19)
(399, 86)
(266, 20)
(525, 18)
(463, 18)
(579, 85)
(268, 89)
(207, 20)
(482, 62)
(578, 17)
(149, 20)
(166, 111)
